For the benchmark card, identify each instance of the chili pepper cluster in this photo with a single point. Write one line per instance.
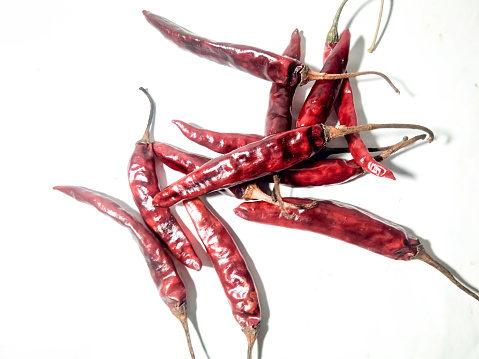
(291, 152)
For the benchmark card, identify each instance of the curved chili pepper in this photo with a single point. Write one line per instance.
(216, 141)
(271, 154)
(347, 117)
(349, 224)
(278, 116)
(346, 112)
(260, 63)
(220, 247)
(230, 267)
(304, 174)
(162, 269)
(144, 186)
(247, 163)
(185, 163)
(340, 221)
(320, 100)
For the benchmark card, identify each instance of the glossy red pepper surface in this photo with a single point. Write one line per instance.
(347, 117)
(263, 64)
(320, 100)
(216, 141)
(271, 154)
(162, 269)
(278, 116)
(341, 221)
(228, 263)
(320, 173)
(185, 163)
(144, 186)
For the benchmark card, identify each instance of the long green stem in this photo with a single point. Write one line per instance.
(333, 36)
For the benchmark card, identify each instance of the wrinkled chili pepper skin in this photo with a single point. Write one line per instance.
(320, 173)
(162, 269)
(278, 116)
(305, 174)
(320, 100)
(187, 162)
(347, 117)
(216, 141)
(228, 263)
(144, 186)
(271, 154)
(341, 221)
(178, 160)
(260, 63)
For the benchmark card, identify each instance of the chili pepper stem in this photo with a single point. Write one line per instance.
(394, 148)
(308, 75)
(333, 36)
(251, 334)
(334, 132)
(276, 197)
(253, 192)
(146, 135)
(423, 256)
(180, 313)
(373, 45)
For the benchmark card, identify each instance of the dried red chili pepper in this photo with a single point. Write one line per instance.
(216, 141)
(278, 116)
(346, 112)
(260, 63)
(225, 142)
(185, 163)
(230, 267)
(347, 117)
(257, 62)
(162, 269)
(319, 103)
(316, 171)
(220, 246)
(350, 224)
(144, 186)
(271, 154)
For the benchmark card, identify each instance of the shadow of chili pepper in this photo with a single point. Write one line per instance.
(351, 19)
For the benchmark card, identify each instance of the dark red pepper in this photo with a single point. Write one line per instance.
(144, 186)
(216, 141)
(304, 174)
(267, 65)
(263, 64)
(247, 163)
(162, 269)
(278, 116)
(221, 248)
(340, 221)
(347, 117)
(319, 103)
(271, 154)
(350, 224)
(230, 267)
(185, 163)
(346, 112)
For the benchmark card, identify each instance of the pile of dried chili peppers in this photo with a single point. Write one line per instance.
(291, 152)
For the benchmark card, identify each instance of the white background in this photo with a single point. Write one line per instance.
(73, 283)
